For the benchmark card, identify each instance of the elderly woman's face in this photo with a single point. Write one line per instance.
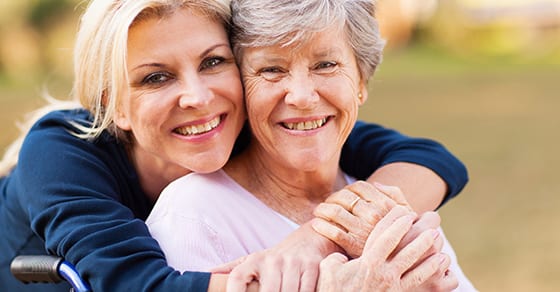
(302, 102)
(185, 103)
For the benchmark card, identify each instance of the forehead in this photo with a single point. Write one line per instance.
(328, 42)
(183, 27)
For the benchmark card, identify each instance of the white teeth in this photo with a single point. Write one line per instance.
(200, 129)
(305, 126)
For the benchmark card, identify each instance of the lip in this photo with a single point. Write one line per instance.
(201, 137)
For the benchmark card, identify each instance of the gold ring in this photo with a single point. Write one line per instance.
(354, 203)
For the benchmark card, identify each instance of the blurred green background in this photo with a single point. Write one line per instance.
(482, 77)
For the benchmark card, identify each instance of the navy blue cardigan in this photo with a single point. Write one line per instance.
(82, 200)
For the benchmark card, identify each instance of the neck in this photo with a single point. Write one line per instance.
(153, 173)
(291, 192)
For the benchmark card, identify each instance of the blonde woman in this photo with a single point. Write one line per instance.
(151, 103)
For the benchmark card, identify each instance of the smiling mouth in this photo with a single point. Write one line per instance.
(306, 126)
(199, 129)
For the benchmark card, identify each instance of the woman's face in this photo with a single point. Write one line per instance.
(185, 101)
(302, 102)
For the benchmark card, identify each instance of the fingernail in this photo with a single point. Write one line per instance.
(442, 258)
(435, 233)
(379, 185)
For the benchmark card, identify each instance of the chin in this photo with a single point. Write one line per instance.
(210, 166)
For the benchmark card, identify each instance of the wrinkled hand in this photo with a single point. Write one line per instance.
(381, 267)
(443, 279)
(348, 216)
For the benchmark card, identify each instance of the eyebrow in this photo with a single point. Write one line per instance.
(210, 49)
(160, 65)
(328, 52)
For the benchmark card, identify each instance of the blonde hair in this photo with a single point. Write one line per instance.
(100, 62)
(257, 23)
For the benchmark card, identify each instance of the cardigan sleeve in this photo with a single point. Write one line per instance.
(73, 193)
(371, 146)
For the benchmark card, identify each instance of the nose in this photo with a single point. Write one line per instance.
(194, 93)
(300, 91)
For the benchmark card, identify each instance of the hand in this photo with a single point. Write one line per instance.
(292, 265)
(381, 267)
(443, 279)
(428, 220)
(348, 216)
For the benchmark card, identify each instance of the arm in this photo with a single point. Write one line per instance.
(79, 206)
(423, 189)
(371, 147)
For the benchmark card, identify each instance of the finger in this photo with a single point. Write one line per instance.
(428, 220)
(331, 231)
(444, 279)
(413, 252)
(369, 193)
(227, 267)
(270, 275)
(359, 222)
(338, 235)
(344, 197)
(352, 231)
(394, 192)
(425, 271)
(388, 220)
(448, 282)
(331, 272)
(387, 234)
(370, 212)
(240, 277)
(291, 275)
(337, 214)
(309, 278)
(333, 261)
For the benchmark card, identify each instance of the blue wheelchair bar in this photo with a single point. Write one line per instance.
(47, 269)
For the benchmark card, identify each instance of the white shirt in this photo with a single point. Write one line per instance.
(205, 220)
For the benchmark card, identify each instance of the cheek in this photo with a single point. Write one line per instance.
(255, 115)
(230, 87)
(253, 98)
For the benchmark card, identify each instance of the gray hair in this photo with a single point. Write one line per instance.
(257, 23)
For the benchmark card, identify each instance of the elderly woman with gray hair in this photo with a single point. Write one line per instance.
(305, 68)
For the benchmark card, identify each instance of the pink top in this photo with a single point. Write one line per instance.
(204, 220)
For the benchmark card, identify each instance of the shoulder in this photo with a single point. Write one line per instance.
(199, 182)
(52, 150)
(193, 192)
(63, 118)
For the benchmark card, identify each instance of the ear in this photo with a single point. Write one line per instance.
(362, 93)
(120, 118)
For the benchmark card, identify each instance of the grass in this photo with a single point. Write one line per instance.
(499, 117)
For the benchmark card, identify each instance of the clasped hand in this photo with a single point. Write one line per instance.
(380, 244)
